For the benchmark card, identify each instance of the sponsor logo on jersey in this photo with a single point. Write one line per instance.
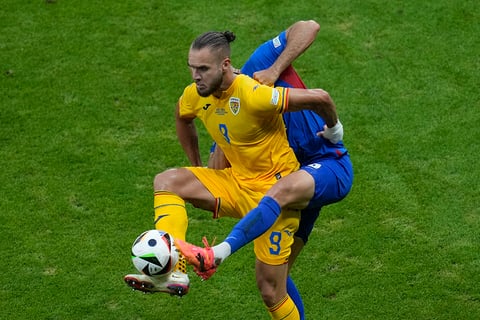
(234, 104)
(206, 106)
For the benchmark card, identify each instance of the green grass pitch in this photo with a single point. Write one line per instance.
(87, 93)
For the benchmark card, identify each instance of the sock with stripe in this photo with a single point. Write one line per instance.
(284, 310)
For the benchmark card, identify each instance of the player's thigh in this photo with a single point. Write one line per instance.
(332, 181)
(233, 200)
(186, 185)
(293, 191)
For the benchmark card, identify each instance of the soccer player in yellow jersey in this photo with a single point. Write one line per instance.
(244, 119)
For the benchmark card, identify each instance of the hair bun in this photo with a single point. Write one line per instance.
(229, 35)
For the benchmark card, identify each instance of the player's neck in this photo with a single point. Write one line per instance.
(228, 79)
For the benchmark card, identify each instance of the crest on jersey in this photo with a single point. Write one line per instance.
(234, 104)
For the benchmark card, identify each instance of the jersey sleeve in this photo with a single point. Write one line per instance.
(269, 99)
(186, 102)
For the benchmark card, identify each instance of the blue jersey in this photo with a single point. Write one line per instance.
(329, 164)
(302, 126)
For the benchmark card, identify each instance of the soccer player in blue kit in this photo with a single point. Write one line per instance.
(325, 176)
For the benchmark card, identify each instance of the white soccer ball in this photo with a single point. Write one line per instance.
(154, 253)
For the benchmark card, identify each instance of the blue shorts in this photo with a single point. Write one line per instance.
(333, 181)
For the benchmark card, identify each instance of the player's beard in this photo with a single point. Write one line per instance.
(215, 85)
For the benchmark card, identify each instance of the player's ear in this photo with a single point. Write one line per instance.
(226, 64)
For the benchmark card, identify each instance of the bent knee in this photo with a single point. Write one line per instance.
(269, 295)
(291, 194)
(272, 291)
(168, 179)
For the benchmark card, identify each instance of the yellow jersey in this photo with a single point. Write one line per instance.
(246, 123)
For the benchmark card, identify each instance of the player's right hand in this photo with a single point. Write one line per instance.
(267, 77)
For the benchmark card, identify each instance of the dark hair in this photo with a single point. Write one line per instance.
(215, 40)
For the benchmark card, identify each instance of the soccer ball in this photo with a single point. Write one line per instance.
(154, 253)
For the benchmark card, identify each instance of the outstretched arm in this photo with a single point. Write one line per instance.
(300, 36)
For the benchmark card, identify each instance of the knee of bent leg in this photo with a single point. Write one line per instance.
(267, 290)
(294, 190)
(279, 192)
(166, 180)
(270, 289)
(271, 282)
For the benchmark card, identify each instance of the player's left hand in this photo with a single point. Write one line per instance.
(333, 134)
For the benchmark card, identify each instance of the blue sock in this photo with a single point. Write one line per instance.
(254, 224)
(295, 296)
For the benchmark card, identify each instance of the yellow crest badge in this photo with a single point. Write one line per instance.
(234, 105)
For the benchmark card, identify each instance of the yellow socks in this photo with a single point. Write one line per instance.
(171, 217)
(284, 310)
(170, 214)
